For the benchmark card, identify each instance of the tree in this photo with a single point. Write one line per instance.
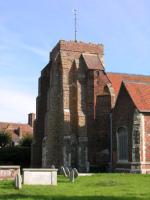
(26, 140)
(5, 138)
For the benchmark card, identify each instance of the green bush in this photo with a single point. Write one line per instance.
(26, 140)
(5, 138)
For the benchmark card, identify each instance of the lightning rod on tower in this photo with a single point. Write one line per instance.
(75, 25)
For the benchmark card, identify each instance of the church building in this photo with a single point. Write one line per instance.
(75, 99)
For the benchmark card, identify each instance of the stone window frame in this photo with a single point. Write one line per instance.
(122, 160)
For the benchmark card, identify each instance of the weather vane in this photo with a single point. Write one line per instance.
(75, 25)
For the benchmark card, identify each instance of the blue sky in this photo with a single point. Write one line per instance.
(30, 29)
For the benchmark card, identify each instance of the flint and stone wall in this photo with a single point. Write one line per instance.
(141, 143)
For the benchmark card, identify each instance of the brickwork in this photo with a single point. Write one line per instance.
(9, 172)
(137, 124)
(96, 115)
(123, 117)
(41, 108)
(69, 103)
(147, 136)
(74, 103)
(145, 144)
(31, 118)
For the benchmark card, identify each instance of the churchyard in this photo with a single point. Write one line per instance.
(98, 186)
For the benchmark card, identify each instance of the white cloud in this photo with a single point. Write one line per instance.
(38, 51)
(13, 41)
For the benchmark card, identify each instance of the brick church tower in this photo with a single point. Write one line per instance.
(67, 129)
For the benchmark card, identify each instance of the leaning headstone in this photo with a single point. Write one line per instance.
(16, 181)
(52, 167)
(72, 176)
(75, 173)
(67, 171)
(63, 171)
(19, 182)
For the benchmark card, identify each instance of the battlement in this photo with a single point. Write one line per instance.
(77, 47)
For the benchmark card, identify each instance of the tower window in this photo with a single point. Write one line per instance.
(97, 73)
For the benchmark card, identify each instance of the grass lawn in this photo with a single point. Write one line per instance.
(98, 186)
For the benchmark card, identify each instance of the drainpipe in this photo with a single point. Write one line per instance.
(111, 144)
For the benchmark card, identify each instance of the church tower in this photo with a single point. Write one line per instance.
(66, 130)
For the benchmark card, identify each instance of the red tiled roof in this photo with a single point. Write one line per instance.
(15, 136)
(140, 94)
(93, 61)
(10, 127)
(116, 79)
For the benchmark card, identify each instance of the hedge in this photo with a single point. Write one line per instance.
(15, 154)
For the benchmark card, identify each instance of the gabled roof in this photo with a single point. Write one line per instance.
(116, 79)
(93, 61)
(11, 127)
(140, 94)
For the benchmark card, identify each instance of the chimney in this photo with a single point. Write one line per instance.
(20, 131)
(31, 118)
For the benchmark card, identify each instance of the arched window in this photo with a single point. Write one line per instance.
(122, 144)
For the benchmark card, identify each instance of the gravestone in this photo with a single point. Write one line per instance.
(72, 176)
(18, 182)
(75, 173)
(52, 167)
(67, 171)
(63, 171)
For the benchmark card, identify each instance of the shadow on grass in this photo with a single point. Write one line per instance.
(42, 197)
(64, 181)
(7, 187)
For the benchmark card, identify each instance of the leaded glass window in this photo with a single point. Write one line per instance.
(122, 144)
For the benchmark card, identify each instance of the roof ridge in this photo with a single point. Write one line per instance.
(139, 82)
(13, 123)
(127, 74)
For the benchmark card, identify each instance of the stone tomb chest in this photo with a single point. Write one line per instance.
(9, 171)
(40, 176)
